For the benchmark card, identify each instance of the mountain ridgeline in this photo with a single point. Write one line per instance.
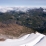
(32, 18)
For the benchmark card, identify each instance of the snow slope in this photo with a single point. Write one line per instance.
(27, 40)
(42, 42)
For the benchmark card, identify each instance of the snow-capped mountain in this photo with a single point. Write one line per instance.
(6, 9)
(24, 9)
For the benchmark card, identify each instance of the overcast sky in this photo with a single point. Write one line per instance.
(22, 2)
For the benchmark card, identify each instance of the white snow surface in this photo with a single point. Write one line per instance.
(27, 40)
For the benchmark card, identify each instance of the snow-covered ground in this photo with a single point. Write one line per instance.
(27, 40)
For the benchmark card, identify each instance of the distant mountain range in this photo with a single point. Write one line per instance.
(24, 9)
(7, 9)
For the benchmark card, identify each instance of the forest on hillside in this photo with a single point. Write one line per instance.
(32, 18)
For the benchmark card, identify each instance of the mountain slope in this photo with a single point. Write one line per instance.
(13, 29)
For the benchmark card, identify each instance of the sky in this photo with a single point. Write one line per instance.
(34, 3)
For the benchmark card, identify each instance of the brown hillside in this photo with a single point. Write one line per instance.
(13, 29)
